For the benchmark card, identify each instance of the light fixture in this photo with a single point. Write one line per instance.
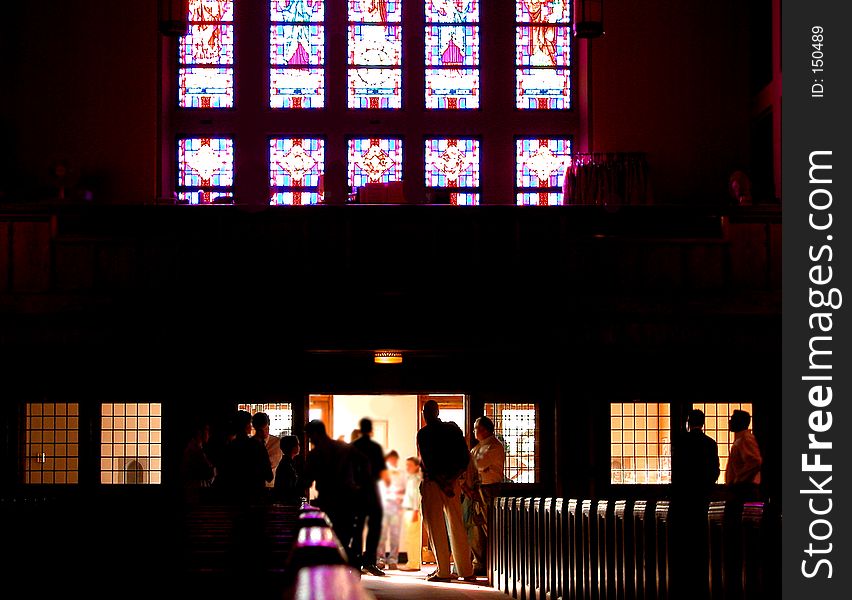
(588, 18)
(387, 357)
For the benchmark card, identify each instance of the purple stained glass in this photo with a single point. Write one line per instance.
(376, 11)
(543, 89)
(295, 167)
(542, 11)
(375, 45)
(210, 11)
(205, 169)
(543, 46)
(297, 45)
(208, 45)
(541, 162)
(452, 46)
(297, 11)
(452, 11)
(374, 160)
(205, 87)
(452, 163)
(539, 198)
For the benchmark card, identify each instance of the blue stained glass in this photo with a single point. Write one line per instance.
(201, 87)
(452, 11)
(539, 198)
(374, 160)
(452, 163)
(543, 89)
(375, 88)
(464, 199)
(375, 45)
(452, 88)
(297, 45)
(295, 167)
(377, 11)
(543, 46)
(452, 46)
(205, 169)
(297, 88)
(542, 11)
(541, 162)
(297, 11)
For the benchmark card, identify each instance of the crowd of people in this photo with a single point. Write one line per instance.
(448, 486)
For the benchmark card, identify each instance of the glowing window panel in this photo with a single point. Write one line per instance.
(375, 54)
(131, 443)
(206, 56)
(374, 160)
(540, 165)
(205, 169)
(52, 443)
(295, 167)
(640, 443)
(280, 416)
(453, 164)
(542, 55)
(452, 54)
(297, 54)
(542, 11)
(517, 427)
(716, 415)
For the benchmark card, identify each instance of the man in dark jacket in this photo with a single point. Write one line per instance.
(695, 462)
(370, 505)
(444, 458)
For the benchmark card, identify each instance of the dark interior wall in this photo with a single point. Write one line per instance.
(671, 79)
(83, 90)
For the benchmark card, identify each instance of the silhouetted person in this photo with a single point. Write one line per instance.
(487, 462)
(444, 459)
(370, 503)
(393, 493)
(742, 475)
(246, 467)
(289, 482)
(196, 469)
(695, 469)
(333, 465)
(272, 443)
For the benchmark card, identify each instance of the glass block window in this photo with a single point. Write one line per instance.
(452, 165)
(206, 56)
(297, 54)
(517, 426)
(375, 54)
(296, 168)
(131, 443)
(542, 54)
(716, 415)
(205, 170)
(374, 160)
(52, 443)
(640, 442)
(280, 416)
(452, 54)
(540, 165)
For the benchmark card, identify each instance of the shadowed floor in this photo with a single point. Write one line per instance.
(399, 585)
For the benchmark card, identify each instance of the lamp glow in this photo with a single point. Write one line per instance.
(387, 357)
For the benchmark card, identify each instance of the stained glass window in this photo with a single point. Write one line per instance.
(295, 167)
(452, 168)
(131, 443)
(542, 54)
(206, 56)
(375, 52)
(374, 160)
(297, 54)
(540, 165)
(205, 170)
(52, 443)
(452, 54)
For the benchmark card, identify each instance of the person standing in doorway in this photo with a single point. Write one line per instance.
(370, 503)
(411, 523)
(272, 443)
(444, 459)
(742, 475)
(393, 491)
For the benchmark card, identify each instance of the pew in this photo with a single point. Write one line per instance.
(574, 552)
(316, 546)
(588, 559)
(645, 574)
(753, 551)
(624, 558)
(663, 539)
(605, 551)
(328, 581)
